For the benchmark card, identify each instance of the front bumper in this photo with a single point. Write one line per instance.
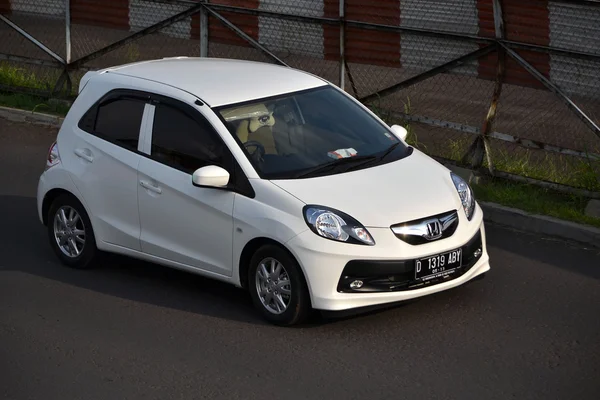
(399, 275)
(328, 266)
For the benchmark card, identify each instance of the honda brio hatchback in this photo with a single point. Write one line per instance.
(258, 175)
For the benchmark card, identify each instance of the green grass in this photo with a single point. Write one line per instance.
(36, 79)
(32, 103)
(572, 171)
(12, 75)
(535, 199)
(551, 167)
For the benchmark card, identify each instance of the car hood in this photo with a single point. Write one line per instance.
(411, 188)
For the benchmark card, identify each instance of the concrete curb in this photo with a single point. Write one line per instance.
(16, 115)
(549, 226)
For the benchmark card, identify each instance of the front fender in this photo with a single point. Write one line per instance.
(272, 214)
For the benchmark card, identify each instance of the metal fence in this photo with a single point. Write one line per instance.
(511, 87)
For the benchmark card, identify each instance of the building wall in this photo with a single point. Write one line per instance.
(540, 22)
(143, 14)
(423, 52)
(524, 21)
(4, 6)
(45, 7)
(112, 14)
(575, 27)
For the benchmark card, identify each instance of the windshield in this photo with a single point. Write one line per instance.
(310, 133)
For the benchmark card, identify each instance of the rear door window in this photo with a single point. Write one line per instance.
(116, 120)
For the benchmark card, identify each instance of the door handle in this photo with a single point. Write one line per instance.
(86, 154)
(151, 187)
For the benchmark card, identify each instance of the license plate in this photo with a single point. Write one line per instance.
(438, 265)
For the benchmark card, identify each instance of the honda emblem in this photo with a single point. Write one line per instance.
(434, 230)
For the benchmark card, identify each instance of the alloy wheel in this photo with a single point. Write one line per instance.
(69, 231)
(273, 285)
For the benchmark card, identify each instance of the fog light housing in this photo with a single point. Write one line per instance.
(356, 284)
(477, 253)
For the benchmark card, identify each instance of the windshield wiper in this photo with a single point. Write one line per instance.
(388, 151)
(335, 164)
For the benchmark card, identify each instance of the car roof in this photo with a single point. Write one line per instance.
(220, 81)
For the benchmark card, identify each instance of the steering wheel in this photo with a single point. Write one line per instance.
(259, 149)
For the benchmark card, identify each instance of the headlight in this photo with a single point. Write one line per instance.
(336, 225)
(466, 195)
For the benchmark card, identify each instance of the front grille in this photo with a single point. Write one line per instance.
(393, 276)
(425, 230)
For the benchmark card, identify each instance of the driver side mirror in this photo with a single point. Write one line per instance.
(400, 131)
(210, 176)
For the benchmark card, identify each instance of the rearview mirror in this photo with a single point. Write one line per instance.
(210, 176)
(400, 131)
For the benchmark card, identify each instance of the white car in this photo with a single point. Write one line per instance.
(262, 176)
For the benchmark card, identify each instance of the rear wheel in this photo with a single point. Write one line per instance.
(277, 286)
(70, 233)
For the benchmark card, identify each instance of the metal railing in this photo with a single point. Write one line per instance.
(511, 87)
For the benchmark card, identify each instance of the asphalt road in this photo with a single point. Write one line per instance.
(131, 330)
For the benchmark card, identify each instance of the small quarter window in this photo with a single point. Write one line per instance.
(119, 121)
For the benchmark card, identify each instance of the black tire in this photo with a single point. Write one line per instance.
(299, 306)
(88, 254)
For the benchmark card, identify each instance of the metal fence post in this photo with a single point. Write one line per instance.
(203, 32)
(342, 45)
(481, 146)
(68, 31)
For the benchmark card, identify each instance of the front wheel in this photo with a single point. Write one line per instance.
(277, 286)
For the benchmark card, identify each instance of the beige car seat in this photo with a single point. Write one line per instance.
(257, 126)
